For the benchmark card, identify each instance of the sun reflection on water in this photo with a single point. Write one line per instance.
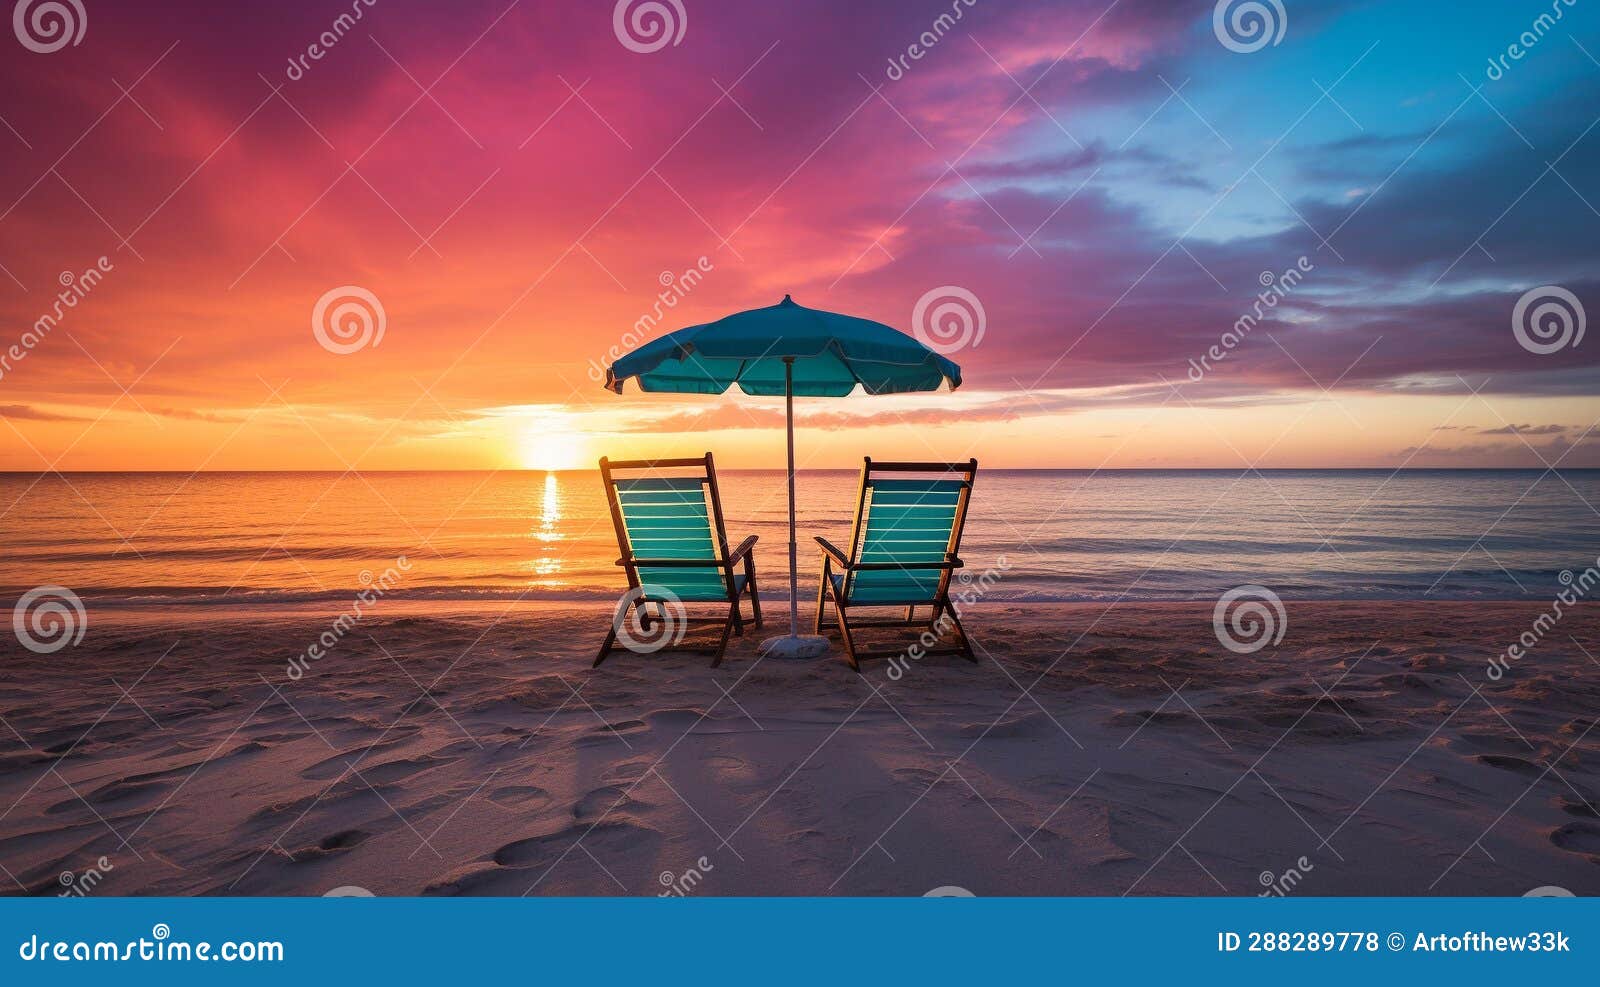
(547, 531)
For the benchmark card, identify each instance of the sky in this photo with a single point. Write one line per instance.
(197, 203)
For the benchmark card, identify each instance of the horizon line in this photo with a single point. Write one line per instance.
(846, 469)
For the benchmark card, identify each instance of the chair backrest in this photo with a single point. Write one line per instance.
(668, 510)
(908, 516)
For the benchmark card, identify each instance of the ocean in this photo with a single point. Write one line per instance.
(163, 538)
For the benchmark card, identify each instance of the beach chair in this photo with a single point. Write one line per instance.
(669, 529)
(903, 549)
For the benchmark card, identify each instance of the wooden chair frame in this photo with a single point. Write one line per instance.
(733, 621)
(835, 560)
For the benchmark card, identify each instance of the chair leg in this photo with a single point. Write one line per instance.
(966, 646)
(738, 618)
(822, 597)
(755, 596)
(605, 649)
(849, 642)
(727, 629)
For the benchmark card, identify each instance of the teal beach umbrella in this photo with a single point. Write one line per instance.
(786, 349)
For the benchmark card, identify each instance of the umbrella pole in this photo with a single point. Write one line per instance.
(794, 645)
(794, 547)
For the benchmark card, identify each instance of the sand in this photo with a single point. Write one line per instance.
(477, 753)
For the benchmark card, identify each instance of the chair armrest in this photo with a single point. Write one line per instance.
(838, 557)
(950, 562)
(674, 563)
(743, 549)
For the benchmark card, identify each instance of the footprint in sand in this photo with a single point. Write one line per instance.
(329, 845)
(522, 797)
(1507, 762)
(333, 767)
(1483, 741)
(610, 839)
(625, 772)
(604, 801)
(611, 733)
(125, 793)
(274, 814)
(1578, 837)
(1586, 807)
(676, 720)
(1409, 681)
(915, 776)
(392, 771)
(1018, 728)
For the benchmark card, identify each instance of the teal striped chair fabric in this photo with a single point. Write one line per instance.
(669, 518)
(906, 521)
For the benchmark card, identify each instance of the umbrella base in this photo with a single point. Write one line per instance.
(794, 646)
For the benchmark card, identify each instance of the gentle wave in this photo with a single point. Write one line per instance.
(154, 539)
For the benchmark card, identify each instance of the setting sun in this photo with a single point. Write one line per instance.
(548, 444)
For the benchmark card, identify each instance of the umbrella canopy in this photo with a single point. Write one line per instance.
(786, 349)
(831, 354)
